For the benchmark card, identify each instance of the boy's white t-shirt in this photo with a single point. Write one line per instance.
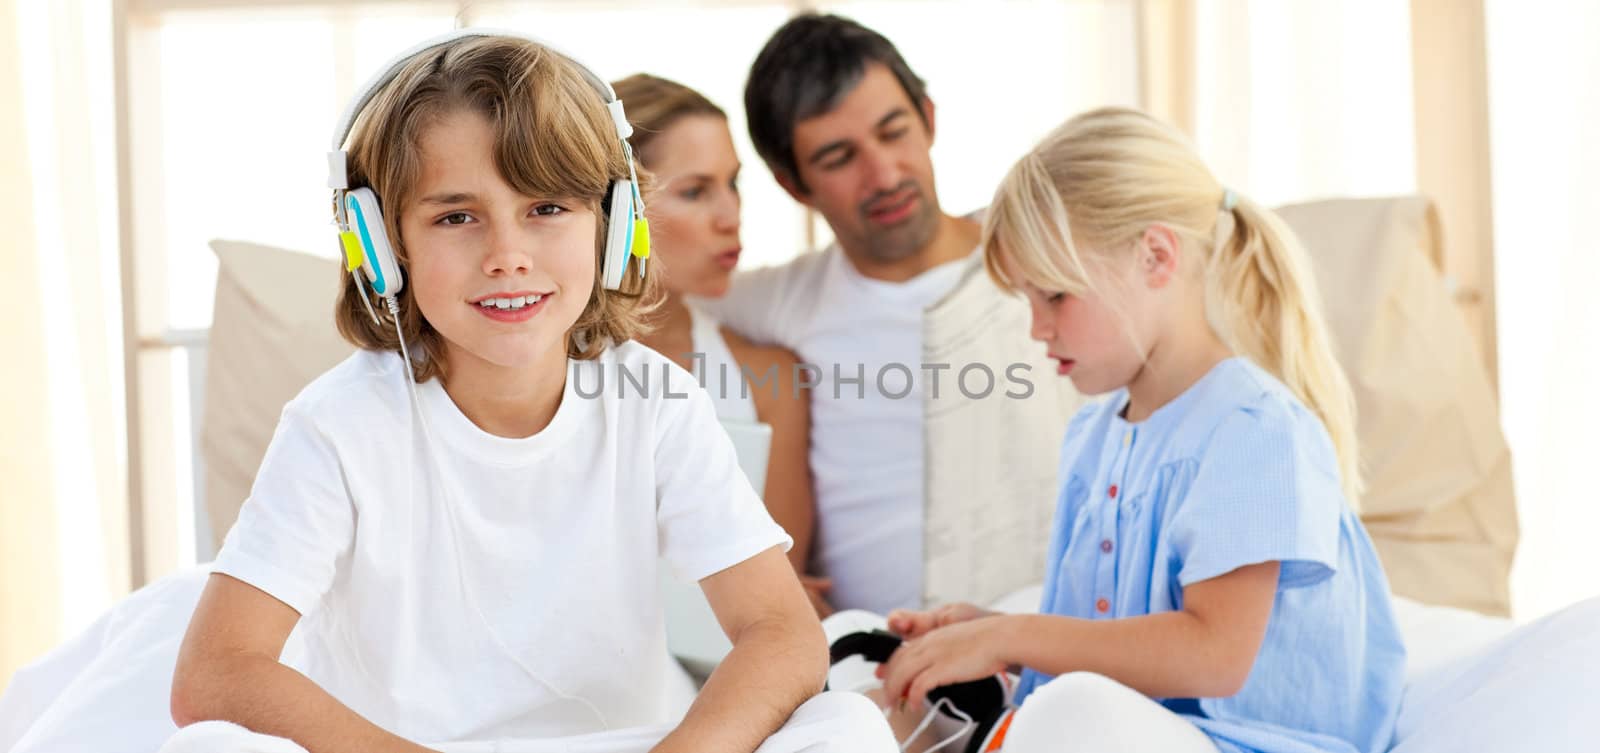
(493, 588)
(867, 440)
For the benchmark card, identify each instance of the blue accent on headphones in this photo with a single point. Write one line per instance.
(380, 285)
(627, 244)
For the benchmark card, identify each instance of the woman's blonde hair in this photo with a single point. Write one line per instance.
(654, 104)
(553, 137)
(1101, 179)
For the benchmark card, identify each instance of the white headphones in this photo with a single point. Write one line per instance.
(362, 236)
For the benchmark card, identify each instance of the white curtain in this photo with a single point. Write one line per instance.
(1305, 100)
(62, 538)
(1544, 94)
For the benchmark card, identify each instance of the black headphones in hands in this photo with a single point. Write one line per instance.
(981, 703)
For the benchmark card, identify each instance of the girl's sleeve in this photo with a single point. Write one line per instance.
(1266, 489)
(298, 521)
(708, 516)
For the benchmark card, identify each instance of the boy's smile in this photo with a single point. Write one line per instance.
(518, 306)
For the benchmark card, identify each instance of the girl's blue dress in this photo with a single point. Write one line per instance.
(1234, 472)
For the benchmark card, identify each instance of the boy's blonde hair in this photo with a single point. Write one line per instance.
(1105, 176)
(553, 137)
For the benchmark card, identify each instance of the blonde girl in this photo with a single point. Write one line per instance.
(1208, 587)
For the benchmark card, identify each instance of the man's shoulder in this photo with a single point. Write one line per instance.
(770, 305)
(806, 271)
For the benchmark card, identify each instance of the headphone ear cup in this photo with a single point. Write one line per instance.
(366, 223)
(876, 646)
(619, 229)
(873, 645)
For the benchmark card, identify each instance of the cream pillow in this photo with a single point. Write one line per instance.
(1439, 502)
(272, 333)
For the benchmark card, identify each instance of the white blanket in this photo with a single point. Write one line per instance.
(107, 689)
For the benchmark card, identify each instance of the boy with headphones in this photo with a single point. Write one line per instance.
(461, 528)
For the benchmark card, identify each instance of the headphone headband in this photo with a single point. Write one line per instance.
(338, 172)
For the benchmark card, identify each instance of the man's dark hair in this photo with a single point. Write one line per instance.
(807, 66)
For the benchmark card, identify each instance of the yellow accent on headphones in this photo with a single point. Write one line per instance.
(352, 251)
(641, 238)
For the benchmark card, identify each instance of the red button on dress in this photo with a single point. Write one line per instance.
(1113, 491)
(1105, 546)
(1102, 606)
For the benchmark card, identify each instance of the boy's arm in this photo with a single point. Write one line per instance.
(779, 658)
(228, 670)
(1205, 650)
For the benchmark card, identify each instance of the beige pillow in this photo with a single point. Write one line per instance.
(271, 334)
(1439, 501)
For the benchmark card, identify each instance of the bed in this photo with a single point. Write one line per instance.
(1440, 508)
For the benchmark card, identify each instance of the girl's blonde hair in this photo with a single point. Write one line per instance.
(1104, 177)
(553, 137)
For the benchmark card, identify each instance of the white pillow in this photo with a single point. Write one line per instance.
(1536, 689)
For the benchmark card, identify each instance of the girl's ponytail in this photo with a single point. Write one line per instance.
(1265, 305)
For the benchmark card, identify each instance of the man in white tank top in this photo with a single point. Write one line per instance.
(846, 127)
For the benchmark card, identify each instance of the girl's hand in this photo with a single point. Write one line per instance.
(959, 652)
(910, 624)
